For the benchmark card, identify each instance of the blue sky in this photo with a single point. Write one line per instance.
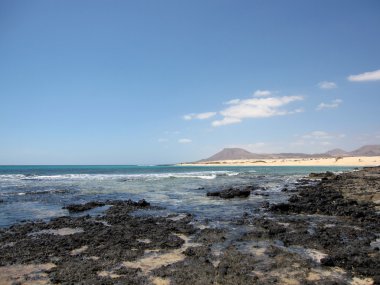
(126, 82)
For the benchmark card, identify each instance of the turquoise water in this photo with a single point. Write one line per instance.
(40, 192)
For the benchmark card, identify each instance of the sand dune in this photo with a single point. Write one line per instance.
(344, 161)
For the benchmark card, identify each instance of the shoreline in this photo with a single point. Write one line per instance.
(352, 161)
(311, 239)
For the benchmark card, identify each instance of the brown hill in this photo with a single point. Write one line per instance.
(239, 153)
(337, 152)
(367, 150)
(234, 153)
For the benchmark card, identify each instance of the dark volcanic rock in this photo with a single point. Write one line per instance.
(236, 268)
(82, 247)
(325, 201)
(75, 208)
(327, 175)
(356, 221)
(195, 269)
(210, 236)
(231, 193)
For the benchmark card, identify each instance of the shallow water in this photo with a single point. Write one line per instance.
(40, 192)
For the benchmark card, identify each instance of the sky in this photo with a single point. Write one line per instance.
(147, 82)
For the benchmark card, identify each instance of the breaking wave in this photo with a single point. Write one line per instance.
(119, 177)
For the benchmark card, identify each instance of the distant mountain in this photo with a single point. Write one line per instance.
(337, 152)
(367, 150)
(239, 153)
(234, 153)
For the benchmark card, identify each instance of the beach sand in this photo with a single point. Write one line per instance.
(341, 161)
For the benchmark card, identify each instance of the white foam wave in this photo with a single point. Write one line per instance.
(120, 177)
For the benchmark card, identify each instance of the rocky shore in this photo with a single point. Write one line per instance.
(327, 233)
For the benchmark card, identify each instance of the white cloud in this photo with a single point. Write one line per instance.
(327, 85)
(262, 93)
(366, 76)
(184, 140)
(256, 108)
(162, 140)
(225, 121)
(203, 116)
(332, 105)
(239, 109)
(299, 110)
(232, 102)
(200, 116)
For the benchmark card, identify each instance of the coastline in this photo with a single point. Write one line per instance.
(311, 239)
(354, 161)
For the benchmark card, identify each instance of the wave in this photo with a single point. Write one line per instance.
(38, 192)
(119, 177)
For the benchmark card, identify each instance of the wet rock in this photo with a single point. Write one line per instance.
(327, 261)
(128, 203)
(199, 251)
(211, 235)
(327, 175)
(172, 241)
(356, 222)
(196, 269)
(261, 194)
(231, 193)
(289, 190)
(322, 200)
(75, 208)
(213, 194)
(236, 268)
(303, 181)
(142, 203)
(109, 240)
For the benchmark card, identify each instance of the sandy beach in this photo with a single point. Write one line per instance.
(341, 161)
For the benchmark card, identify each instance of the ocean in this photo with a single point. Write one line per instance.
(41, 192)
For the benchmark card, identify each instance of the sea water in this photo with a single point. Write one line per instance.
(41, 192)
